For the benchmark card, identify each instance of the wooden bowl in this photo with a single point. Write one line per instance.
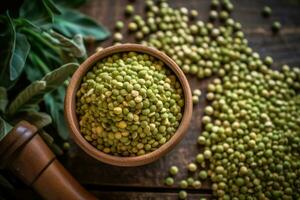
(72, 120)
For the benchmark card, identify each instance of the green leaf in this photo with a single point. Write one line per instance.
(56, 78)
(39, 12)
(3, 99)
(14, 54)
(78, 40)
(38, 119)
(19, 56)
(7, 41)
(70, 3)
(55, 106)
(22, 23)
(34, 93)
(72, 22)
(33, 72)
(26, 96)
(5, 128)
(46, 137)
(52, 6)
(56, 149)
(37, 60)
(29, 108)
(74, 46)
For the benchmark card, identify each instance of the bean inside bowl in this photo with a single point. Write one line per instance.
(74, 118)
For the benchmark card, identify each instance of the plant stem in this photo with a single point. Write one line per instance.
(42, 39)
(42, 65)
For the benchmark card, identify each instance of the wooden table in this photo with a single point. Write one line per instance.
(146, 182)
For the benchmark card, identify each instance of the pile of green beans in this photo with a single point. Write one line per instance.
(251, 128)
(198, 48)
(129, 104)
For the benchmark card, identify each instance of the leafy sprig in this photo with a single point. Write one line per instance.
(40, 50)
(41, 47)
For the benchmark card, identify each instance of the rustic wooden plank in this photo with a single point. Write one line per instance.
(146, 195)
(284, 48)
(146, 182)
(248, 13)
(22, 194)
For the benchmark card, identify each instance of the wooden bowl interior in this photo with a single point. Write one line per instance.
(72, 121)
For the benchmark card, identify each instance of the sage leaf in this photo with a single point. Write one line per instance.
(55, 106)
(38, 119)
(56, 149)
(46, 137)
(52, 6)
(39, 12)
(7, 40)
(24, 23)
(34, 93)
(3, 99)
(19, 56)
(42, 61)
(29, 108)
(72, 22)
(74, 46)
(33, 72)
(34, 89)
(5, 128)
(56, 78)
(14, 54)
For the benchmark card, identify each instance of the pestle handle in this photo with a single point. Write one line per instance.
(25, 153)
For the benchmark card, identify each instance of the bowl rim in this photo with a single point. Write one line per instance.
(71, 117)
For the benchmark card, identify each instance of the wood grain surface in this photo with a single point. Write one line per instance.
(146, 182)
